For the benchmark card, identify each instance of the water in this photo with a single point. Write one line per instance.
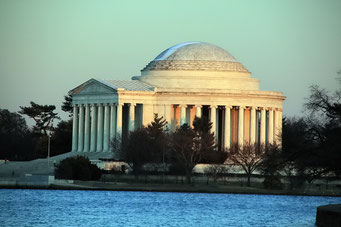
(110, 208)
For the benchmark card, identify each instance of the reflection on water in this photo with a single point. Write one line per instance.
(110, 208)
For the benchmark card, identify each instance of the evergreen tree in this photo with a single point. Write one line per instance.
(158, 135)
(43, 115)
(67, 105)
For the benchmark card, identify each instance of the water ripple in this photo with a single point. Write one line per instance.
(109, 208)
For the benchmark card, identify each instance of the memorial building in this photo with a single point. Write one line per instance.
(186, 80)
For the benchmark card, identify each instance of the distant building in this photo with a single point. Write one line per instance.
(186, 80)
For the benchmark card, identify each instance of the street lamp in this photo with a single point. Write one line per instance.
(49, 134)
(48, 152)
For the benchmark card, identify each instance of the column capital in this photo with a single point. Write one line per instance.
(213, 106)
(242, 107)
(112, 104)
(228, 107)
(132, 104)
(183, 105)
(198, 106)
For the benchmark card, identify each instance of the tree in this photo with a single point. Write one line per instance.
(15, 138)
(183, 147)
(43, 115)
(271, 166)
(136, 150)
(299, 152)
(116, 148)
(192, 146)
(324, 123)
(61, 141)
(215, 171)
(67, 105)
(311, 144)
(205, 142)
(158, 136)
(248, 157)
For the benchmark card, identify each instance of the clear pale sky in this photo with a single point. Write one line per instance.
(49, 47)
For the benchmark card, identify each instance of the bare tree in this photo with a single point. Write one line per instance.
(215, 171)
(248, 157)
(197, 145)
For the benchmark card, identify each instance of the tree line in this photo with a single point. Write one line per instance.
(18, 142)
(182, 149)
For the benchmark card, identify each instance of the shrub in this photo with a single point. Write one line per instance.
(77, 168)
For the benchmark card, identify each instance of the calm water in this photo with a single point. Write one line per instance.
(109, 208)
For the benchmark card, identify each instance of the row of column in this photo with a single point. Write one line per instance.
(94, 125)
(269, 130)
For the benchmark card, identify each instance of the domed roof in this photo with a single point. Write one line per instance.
(195, 51)
(195, 56)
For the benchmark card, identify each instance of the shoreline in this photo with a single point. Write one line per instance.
(176, 188)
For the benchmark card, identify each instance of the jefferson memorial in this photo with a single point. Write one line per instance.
(186, 80)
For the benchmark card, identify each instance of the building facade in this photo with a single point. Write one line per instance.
(186, 80)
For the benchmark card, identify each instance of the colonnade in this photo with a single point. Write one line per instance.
(94, 125)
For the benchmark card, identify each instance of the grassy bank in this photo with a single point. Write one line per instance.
(153, 187)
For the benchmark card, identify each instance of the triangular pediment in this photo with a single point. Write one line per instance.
(92, 87)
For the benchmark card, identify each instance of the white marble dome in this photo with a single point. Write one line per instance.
(195, 51)
(195, 56)
(197, 65)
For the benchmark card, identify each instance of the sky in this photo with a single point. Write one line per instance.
(49, 47)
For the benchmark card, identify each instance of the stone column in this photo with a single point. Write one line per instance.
(119, 119)
(182, 114)
(131, 125)
(81, 128)
(262, 126)
(198, 111)
(112, 121)
(100, 128)
(253, 126)
(75, 128)
(227, 127)
(280, 127)
(271, 126)
(106, 133)
(241, 126)
(213, 119)
(93, 128)
(168, 117)
(87, 128)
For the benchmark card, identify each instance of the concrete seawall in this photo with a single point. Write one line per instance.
(28, 180)
(329, 215)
